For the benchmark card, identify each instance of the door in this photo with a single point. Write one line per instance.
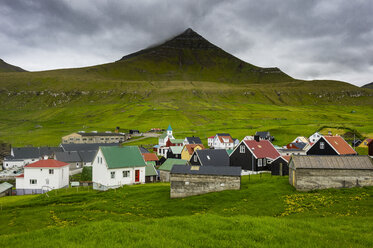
(137, 176)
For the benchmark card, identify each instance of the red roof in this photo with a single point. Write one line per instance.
(340, 145)
(191, 147)
(287, 158)
(211, 137)
(227, 138)
(47, 163)
(262, 149)
(22, 175)
(150, 157)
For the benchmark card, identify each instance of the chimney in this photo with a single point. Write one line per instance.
(117, 129)
(330, 133)
(256, 138)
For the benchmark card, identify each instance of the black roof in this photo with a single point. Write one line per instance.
(68, 157)
(279, 159)
(143, 150)
(194, 140)
(101, 134)
(223, 134)
(300, 145)
(206, 170)
(85, 147)
(87, 156)
(263, 134)
(34, 152)
(213, 157)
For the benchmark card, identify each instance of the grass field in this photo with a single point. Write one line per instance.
(266, 212)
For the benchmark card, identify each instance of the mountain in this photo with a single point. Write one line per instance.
(5, 67)
(368, 86)
(189, 57)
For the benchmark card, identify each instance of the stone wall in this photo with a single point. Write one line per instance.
(183, 185)
(309, 179)
(164, 176)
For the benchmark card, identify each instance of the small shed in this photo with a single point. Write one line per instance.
(322, 172)
(151, 174)
(5, 189)
(197, 180)
(165, 168)
(280, 166)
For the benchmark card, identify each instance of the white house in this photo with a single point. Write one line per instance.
(117, 166)
(315, 137)
(42, 176)
(223, 141)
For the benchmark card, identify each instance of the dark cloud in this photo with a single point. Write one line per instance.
(306, 39)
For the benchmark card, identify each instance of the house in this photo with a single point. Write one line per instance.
(84, 147)
(314, 137)
(192, 140)
(174, 152)
(117, 166)
(197, 180)
(331, 145)
(188, 150)
(21, 156)
(280, 166)
(6, 189)
(73, 158)
(301, 139)
(289, 152)
(365, 142)
(210, 157)
(42, 176)
(265, 136)
(82, 137)
(134, 132)
(223, 141)
(150, 157)
(165, 168)
(87, 157)
(298, 146)
(322, 172)
(356, 143)
(151, 174)
(370, 148)
(253, 155)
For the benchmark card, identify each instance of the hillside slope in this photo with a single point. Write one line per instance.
(368, 86)
(5, 67)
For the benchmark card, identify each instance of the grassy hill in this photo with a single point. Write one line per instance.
(186, 81)
(368, 86)
(5, 67)
(266, 212)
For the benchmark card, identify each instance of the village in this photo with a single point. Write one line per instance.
(317, 162)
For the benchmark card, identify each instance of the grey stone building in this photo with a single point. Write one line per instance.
(322, 172)
(196, 180)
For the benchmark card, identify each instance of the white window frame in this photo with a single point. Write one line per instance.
(260, 162)
(126, 173)
(264, 162)
(33, 181)
(242, 149)
(112, 174)
(51, 171)
(322, 145)
(195, 158)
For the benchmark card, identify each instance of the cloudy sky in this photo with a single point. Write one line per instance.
(309, 39)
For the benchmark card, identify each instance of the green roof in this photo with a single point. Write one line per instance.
(176, 149)
(167, 165)
(150, 162)
(5, 186)
(177, 141)
(163, 135)
(122, 157)
(150, 170)
(229, 151)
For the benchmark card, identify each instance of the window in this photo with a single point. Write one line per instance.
(242, 149)
(51, 171)
(259, 163)
(101, 160)
(264, 162)
(33, 181)
(112, 174)
(195, 158)
(126, 173)
(98, 160)
(208, 157)
(322, 145)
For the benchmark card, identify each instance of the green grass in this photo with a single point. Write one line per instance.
(266, 212)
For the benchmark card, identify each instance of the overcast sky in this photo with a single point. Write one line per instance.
(330, 39)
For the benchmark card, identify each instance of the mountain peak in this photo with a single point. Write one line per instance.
(5, 67)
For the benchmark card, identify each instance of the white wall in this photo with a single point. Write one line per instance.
(102, 175)
(57, 180)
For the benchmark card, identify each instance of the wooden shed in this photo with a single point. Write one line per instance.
(322, 172)
(6, 189)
